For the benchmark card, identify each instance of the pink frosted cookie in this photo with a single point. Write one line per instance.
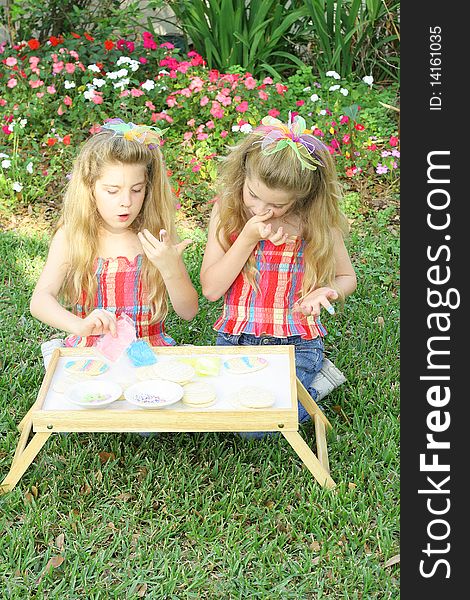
(86, 366)
(244, 364)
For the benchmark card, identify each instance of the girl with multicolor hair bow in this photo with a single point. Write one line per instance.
(115, 250)
(275, 248)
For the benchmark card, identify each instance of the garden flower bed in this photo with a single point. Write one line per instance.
(53, 95)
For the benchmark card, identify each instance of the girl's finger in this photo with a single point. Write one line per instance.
(150, 238)
(164, 237)
(181, 247)
(327, 306)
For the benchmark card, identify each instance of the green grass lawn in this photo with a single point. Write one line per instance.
(209, 515)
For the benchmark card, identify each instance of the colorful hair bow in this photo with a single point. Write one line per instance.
(277, 135)
(145, 134)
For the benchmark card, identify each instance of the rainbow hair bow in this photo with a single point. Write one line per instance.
(145, 134)
(277, 135)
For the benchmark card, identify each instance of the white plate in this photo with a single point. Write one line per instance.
(105, 391)
(154, 393)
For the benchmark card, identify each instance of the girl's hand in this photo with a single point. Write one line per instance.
(312, 304)
(256, 229)
(162, 253)
(98, 322)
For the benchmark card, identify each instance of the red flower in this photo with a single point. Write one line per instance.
(300, 102)
(54, 40)
(109, 44)
(34, 44)
(51, 141)
(393, 141)
(359, 127)
(89, 37)
(274, 112)
(66, 140)
(75, 35)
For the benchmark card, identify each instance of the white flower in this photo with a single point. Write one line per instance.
(163, 72)
(121, 84)
(246, 128)
(235, 127)
(134, 65)
(17, 186)
(23, 122)
(112, 75)
(307, 89)
(333, 88)
(94, 68)
(6, 163)
(29, 167)
(69, 84)
(322, 113)
(314, 97)
(122, 73)
(148, 85)
(344, 91)
(368, 79)
(99, 82)
(89, 93)
(123, 60)
(333, 74)
(3, 155)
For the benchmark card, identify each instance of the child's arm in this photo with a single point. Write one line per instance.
(221, 267)
(166, 256)
(345, 282)
(45, 306)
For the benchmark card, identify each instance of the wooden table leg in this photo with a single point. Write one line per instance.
(322, 448)
(308, 458)
(23, 460)
(24, 435)
(310, 405)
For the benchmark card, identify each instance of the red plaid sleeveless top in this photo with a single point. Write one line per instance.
(121, 290)
(268, 310)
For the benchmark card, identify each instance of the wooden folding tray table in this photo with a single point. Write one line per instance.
(52, 413)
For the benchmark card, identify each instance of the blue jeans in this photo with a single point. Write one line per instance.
(308, 358)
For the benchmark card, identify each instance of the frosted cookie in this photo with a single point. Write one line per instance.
(244, 364)
(199, 394)
(87, 366)
(173, 370)
(252, 396)
(144, 373)
(62, 385)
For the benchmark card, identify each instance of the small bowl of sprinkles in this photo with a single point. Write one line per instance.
(154, 393)
(93, 394)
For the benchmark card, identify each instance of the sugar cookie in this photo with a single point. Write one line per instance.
(61, 385)
(244, 364)
(252, 396)
(173, 370)
(199, 394)
(87, 366)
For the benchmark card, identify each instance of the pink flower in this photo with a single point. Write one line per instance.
(210, 124)
(70, 68)
(242, 107)
(318, 132)
(217, 112)
(267, 81)
(11, 61)
(68, 101)
(58, 67)
(263, 95)
(143, 60)
(2, 102)
(150, 105)
(11, 83)
(39, 94)
(73, 54)
(60, 110)
(167, 45)
(187, 136)
(97, 98)
(346, 138)
(135, 93)
(171, 101)
(381, 169)
(191, 123)
(213, 75)
(149, 42)
(273, 112)
(223, 134)
(94, 129)
(124, 94)
(33, 61)
(35, 83)
(196, 168)
(202, 136)
(6, 130)
(186, 92)
(250, 83)
(393, 141)
(281, 88)
(300, 102)
(204, 100)
(51, 89)
(344, 119)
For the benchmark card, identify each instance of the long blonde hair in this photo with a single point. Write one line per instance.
(316, 192)
(81, 220)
